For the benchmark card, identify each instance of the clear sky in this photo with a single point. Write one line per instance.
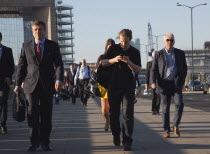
(97, 20)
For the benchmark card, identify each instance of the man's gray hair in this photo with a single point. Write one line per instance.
(169, 35)
(83, 60)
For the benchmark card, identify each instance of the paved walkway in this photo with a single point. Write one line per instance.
(80, 130)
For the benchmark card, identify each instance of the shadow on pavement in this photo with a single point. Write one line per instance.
(147, 140)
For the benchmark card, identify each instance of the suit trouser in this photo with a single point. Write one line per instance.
(71, 94)
(40, 115)
(179, 106)
(3, 107)
(126, 98)
(83, 83)
(155, 101)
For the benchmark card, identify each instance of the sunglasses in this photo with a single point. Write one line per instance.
(171, 40)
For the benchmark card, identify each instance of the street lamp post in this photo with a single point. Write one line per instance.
(146, 45)
(191, 10)
(156, 38)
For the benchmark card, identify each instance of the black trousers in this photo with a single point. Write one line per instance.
(72, 94)
(83, 83)
(124, 98)
(3, 107)
(155, 101)
(40, 104)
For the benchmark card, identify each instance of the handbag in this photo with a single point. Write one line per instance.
(19, 107)
(92, 88)
(103, 76)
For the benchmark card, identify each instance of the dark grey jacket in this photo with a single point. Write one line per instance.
(48, 70)
(159, 68)
(7, 66)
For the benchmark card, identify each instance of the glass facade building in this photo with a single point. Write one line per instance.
(65, 31)
(12, 34)
(16, 18)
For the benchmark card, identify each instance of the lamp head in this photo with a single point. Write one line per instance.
(177, 4)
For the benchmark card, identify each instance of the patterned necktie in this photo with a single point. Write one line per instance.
(38, 51)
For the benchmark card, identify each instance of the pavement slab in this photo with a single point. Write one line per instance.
(79, 129)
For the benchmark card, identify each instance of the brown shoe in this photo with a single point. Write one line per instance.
(166, 135)
(176, 131)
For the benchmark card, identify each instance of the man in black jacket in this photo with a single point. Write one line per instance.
(155, 96)
(124, 61)
(168, 75)
(6, 70)
(72, 73)
(40, 67)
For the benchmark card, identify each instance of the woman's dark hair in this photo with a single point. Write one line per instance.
(108, 42)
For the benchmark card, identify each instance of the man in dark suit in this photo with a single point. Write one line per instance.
(40, 67)
(168, 75)
(72, 73)
(155, 96)
(6, 70)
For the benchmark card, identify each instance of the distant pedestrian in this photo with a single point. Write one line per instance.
(72, 73)
(104, 98)
(83, 73)
(122, 59)
(168, 75)
(7, 68)
(138, 87)
(155, 96)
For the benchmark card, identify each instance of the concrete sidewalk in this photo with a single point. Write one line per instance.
(80, 129)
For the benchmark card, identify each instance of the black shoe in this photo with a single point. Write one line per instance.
(127, 147)
(116, 140)
(32, 148)
(46, 148)
(3, 130)
(135, 101)
(153, 113)
(157, 112)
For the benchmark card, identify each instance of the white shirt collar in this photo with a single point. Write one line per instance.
(167, 51)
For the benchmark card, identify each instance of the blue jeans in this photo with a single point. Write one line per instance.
(179, 106)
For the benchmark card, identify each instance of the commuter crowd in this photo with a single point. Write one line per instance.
(42, 77)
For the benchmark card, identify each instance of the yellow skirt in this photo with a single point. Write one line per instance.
(103, 91)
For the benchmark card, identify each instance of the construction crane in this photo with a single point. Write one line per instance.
(150, 40)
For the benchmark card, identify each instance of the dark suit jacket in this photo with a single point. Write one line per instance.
(149, 66)
(7, 66)
(71, 78)
(159, 68)
(48, 70)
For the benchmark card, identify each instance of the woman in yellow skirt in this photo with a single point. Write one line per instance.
(104, 92)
